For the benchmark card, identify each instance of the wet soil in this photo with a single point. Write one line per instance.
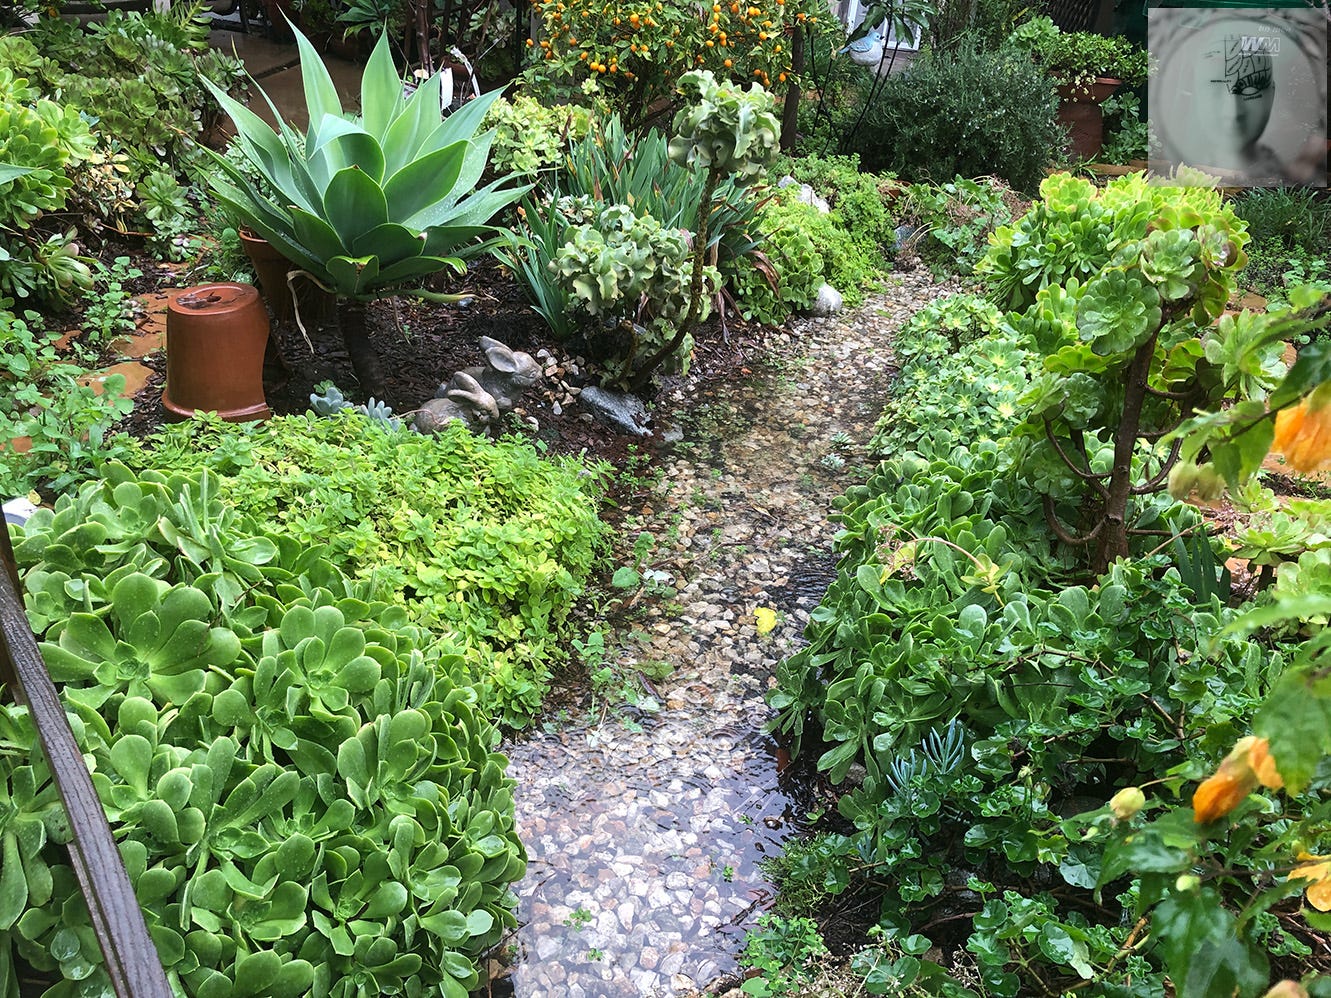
(421, 344)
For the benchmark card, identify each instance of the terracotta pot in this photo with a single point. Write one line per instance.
(215, 340)
(1079, 112)
(317, 307)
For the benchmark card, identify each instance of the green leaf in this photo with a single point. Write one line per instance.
(354, 204)
(425, 181)
(13, 883)
(316, 234)
(1310, 369)
(1296, 717)
(320, 90)
(342, 145)
(392, 243)
(626, 578)
(1203, 952)
(380, 90)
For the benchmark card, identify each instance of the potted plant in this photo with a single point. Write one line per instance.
(366, 205)
(1087, 68)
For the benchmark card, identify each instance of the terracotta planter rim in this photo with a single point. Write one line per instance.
(1089, 93)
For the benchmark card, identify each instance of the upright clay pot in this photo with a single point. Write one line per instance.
(1079, 112)
(317, 307)
(215, 339)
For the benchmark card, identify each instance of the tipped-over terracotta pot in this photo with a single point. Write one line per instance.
(215, 340)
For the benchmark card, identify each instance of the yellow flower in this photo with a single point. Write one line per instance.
(1303, 435)
(1287, 989)
(1319, 872)
(766, 618)
(1127, 802)
(1249, 763)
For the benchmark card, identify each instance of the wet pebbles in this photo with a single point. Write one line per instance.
(646, 827)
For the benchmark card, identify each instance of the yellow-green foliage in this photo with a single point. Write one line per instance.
(531, 137)
(484, 543)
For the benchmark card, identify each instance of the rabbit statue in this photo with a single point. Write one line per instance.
(511, 372)
(464, 399)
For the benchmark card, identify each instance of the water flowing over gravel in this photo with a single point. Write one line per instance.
(645, 837)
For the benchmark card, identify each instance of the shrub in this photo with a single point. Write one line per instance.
(614, 166)
(963, 373)
(967, 112)
(1291, 218)
(485, 544)
(634, 51)
(139, 74)
(956, 218)
(64, 421)
(305, 797)
(803, 248)
(859, 200)
(632, 274)
(531, 138)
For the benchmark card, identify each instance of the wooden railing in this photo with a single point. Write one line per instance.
(131, 959)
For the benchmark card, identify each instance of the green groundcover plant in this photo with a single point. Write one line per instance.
(484, 543)
(305, 794)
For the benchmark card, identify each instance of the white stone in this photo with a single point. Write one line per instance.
(827, 303)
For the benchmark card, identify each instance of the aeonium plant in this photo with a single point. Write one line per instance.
(367, 205)
(1135, 345)
(726, 131)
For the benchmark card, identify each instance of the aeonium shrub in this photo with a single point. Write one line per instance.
(1123, 290)
(305, 795)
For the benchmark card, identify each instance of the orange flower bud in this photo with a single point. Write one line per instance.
(729, 64)
(530, 43)
(1303, 436)
(1249, 763)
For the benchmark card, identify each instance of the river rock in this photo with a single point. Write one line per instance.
(827, 303)
(617, 410)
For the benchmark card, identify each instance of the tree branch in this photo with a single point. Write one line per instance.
(1094, 480)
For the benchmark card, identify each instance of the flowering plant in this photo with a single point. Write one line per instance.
(636, 50)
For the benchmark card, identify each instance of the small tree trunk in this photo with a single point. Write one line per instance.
(644, 374)
(356, 336)
(790, 112)
(1113, 539)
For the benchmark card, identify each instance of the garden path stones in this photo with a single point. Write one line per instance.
(645, 829)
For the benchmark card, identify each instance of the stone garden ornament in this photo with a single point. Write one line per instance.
(866, 51)
(478, 396)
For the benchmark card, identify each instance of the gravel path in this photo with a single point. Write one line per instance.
(645, 836)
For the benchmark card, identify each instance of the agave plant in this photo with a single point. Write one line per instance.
(366, 206)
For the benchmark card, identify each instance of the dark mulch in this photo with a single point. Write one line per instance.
(422, 344)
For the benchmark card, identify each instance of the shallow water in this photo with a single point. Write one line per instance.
(645, 837)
